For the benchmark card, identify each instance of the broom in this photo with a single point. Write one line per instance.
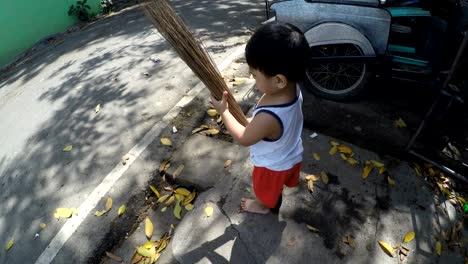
(191, 51)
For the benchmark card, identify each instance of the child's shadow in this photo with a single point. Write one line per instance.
(252, 241)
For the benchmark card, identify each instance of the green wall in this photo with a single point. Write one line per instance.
(24, 22)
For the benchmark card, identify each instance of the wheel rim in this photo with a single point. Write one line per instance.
(336, 78)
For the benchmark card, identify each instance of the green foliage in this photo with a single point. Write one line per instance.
(80, 11)
(106, 6)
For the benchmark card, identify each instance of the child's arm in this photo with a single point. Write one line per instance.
(260, 127)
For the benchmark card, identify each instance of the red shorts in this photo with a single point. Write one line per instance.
(268, 184)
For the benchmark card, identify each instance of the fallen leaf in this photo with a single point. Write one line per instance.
(417, 169)
(382, 170)
(97, 109)
(461, 199)
(170, 201)
(189, 207)
(164, 166)
(227, 163)
(310, 186)
(409, 237)
(144, 252)
(333, 150)
(209, 211)
(367, 169)
(324, 177)
(390, 181)
(344, 149)
(42, 226)
(312, 177)
(163, 198)
(316, 156)
(399, 123)
(212, 112)
(387, 248)
(343, 156)
(172, 226)
(376, 163)
(182, 191)
(109, 204)
(179, 197)
(177, 210)
(168, 188)
(313, 229)
(212, 131)
(189, 198)
(438, 248)
(178, 171)
(63, 212)
(164, 209)
(136, 258)
(166, 141)
(219, 120)
(351, 161)
(113, 257)
(9, 244)
(334, 143)
(100, 213)
(67, 148)
(199, 129)
(121, 210)
(350, 241)
(148, 228)
(154, 190)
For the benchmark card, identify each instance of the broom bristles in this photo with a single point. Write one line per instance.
(174, 30)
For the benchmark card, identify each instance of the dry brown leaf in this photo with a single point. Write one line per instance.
(227, 163)
(113, 257)
(148, 228)
(324, 177)
(387, 248)
(136, 258)
(409, 237)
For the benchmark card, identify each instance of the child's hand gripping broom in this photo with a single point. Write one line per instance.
(191, 51)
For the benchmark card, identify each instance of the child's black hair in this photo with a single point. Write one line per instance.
(278, 48)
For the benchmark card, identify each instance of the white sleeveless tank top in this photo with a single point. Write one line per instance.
(284, 152)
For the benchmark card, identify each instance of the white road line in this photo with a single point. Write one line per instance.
(103, 188)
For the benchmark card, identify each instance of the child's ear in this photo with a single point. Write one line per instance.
(281, 81)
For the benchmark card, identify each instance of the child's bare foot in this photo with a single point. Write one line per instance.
(254, 206)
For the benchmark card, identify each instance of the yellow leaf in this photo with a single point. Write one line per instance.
(343, 156)
(164, 165)
(352, 161)
(154, 190)
(170, 201)
(189, 207)
(212, 112)
(108, 204)
(313, 229)
(122, 209)
(148, 228)
(344, 149)
(227, 163)
(417, 169)
(387, 248)
(367, 169)
(182, 191)
(312, 177)
(100, 213)
(113, 257)
(63, 212)
(334, 143)
(316, 156)
(324, 177)
(177, 210)
(333, 150)
(382, 170)
(409, 237)
(390, 181)
(144, 252)
(209, 211)
(461, 199)
(9, 244)
(42, 225)
(438, 248)
(190, 198)
(179, 197)
(163, 198)
(212, 131)
(166, 141)
(376, 163)
(164, 209)
(172, 226)
(67, 148)
(98, 108)
(399, 123)
(310, 186)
